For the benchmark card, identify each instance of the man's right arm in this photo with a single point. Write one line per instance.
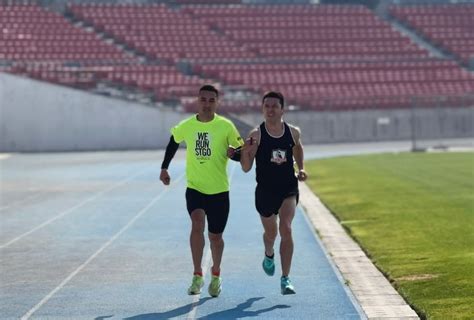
(249, 150)
(171, 149)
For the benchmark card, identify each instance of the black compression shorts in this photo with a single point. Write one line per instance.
(216, 207)
(268, 201)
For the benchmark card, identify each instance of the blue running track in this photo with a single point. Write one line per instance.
(97, 236)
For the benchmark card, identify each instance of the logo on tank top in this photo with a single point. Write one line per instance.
(278, 156)
(203, 146)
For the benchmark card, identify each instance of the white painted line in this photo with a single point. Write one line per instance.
(65, 212)
(4, 156)
(207, 263)
(40, 192)
(92, 257)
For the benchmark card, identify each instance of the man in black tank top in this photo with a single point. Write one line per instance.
(275, 145)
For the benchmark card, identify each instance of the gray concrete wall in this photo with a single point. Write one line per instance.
(379, 125)
(37, 116)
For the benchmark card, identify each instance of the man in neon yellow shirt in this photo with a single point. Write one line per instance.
(210, 141)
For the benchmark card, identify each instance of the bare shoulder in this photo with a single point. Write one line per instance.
(295, 131)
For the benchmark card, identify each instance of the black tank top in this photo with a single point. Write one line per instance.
(274, 160)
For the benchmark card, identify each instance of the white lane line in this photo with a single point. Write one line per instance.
(92, 257)
(194, 305)
(65, 212)
(40, 192)
(4, 156)
(207, 263)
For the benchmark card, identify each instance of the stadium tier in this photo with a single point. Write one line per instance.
(450, 27)
(166, 82)
(160, 32)
(311, 85)
(314, 32)
(32, 34)
(321, 57)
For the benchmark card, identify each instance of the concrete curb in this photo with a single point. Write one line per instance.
(376, 296)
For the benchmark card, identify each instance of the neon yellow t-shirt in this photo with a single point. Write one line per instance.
(206, 151)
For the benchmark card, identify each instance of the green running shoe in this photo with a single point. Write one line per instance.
(215, 286)
(286, 286)
(268, 265)
(196, 285)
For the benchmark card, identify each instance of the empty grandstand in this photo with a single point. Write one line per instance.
(449, 27)
(332, 61)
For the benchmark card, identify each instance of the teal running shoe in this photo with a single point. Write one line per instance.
(196, 285)
(215, 286)
(268, 265)
(286, 286)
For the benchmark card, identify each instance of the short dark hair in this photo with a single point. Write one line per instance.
(209, 87)
(274, 94)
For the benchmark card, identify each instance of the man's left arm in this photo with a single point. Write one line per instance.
(298, 154)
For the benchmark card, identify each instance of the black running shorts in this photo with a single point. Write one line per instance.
(269, 200)
(216, 207)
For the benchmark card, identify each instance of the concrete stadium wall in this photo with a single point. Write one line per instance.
(37, 116)
(379, 125)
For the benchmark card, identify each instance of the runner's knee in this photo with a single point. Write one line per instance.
(271, 234)
(198, 222)
(215, 237)
(285, 231)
